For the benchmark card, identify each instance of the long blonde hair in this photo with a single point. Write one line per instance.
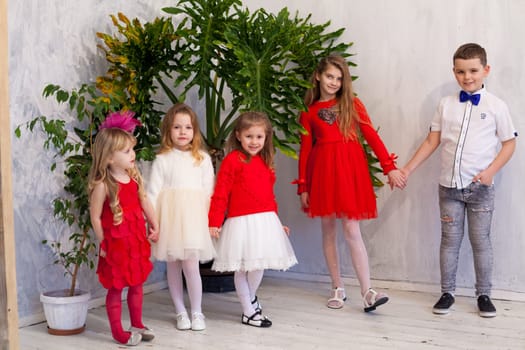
(245, 121)
(347, 116)
(166, 144)
(107, 142)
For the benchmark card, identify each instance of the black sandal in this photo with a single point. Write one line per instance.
(263, 322)
(257, 306)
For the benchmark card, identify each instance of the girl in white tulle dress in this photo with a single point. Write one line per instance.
(180, 186)
(252, 238)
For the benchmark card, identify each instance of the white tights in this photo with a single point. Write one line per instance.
(246, 285)
(190, 267)
(354, 239)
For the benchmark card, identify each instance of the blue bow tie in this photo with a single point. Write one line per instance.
(465, 96)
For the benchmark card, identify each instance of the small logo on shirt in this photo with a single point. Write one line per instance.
(483, 116)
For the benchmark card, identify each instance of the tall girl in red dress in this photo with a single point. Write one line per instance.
(334, 181)
(118, 205)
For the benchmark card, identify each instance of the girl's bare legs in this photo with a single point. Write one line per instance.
(352, 233)
(330, 250)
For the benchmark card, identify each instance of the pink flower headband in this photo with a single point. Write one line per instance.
(121, 120)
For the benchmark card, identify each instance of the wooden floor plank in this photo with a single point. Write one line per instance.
(302, 321)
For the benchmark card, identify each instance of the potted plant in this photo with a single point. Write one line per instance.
(71, 137)
(66, 310)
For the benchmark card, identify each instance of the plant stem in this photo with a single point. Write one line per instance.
(77, 264)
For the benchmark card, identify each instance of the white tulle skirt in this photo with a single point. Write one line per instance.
(183, 221)
(253, 242)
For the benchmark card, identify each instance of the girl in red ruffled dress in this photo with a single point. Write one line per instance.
(334, 181)
(119, 209)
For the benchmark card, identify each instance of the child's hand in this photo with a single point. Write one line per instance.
(102, 249)
(484, 178)
(153, 232)
(397, 178)
(305, 200)
(214, 232)
(286, 230)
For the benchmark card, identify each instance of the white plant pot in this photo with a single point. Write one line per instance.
(65, 315)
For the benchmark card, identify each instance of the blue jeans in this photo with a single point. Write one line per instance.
(477, 202)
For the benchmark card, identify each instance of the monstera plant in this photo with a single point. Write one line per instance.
(241, 61)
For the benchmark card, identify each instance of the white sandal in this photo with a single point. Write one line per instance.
(376, 300)
(338, 298)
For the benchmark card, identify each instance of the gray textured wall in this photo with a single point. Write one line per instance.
(404, 54)
(404, 51)
(52, 42)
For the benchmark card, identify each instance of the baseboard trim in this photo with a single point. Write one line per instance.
(497, 294)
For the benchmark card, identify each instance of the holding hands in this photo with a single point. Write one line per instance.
(397, 178)
(153, 231)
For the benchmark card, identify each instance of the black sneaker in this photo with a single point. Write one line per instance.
(486, 308)
(442, 307)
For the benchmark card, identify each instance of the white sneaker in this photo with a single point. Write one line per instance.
(183, 321)
(197, 321)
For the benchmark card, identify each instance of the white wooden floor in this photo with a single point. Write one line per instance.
(301, 321)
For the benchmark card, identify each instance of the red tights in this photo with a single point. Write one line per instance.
(114, 311)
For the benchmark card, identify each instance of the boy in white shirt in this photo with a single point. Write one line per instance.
(470, 126)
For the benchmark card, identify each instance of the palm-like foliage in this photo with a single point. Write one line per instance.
(275, 66)
(203, 59)
(261, 60)
(139, 57)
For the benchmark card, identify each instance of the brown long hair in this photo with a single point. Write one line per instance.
(347, 116)
(166, 144)
(107, 142)
(245, 121)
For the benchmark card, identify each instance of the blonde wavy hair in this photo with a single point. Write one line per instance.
(107, 142)
(166, 144)
(347, 116)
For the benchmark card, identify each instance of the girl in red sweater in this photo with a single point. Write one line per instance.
(252, 238)
(334, 181)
